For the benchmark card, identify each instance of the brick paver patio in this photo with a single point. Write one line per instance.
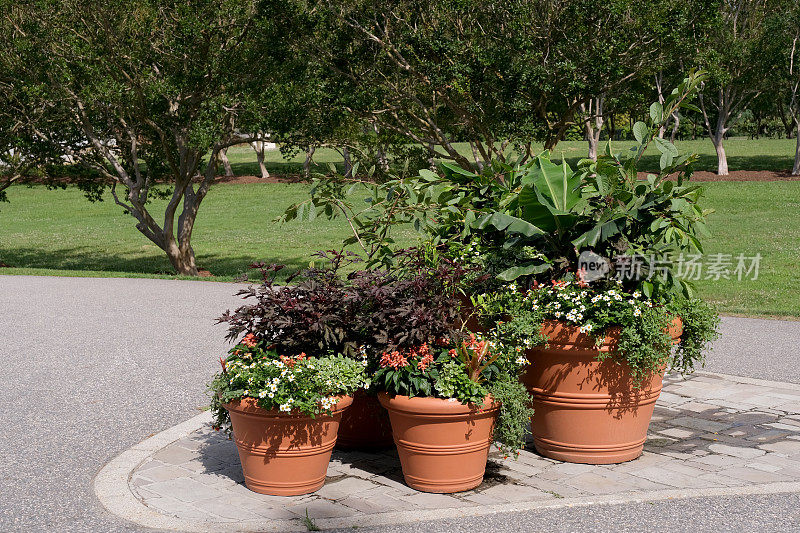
(708, 431)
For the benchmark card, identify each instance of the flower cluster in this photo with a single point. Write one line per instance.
(420, 356)
(589, 308)
(308, 385)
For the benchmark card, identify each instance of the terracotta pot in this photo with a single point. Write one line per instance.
(443, 445)
(284, 454)
(587, 411)
(365, 425)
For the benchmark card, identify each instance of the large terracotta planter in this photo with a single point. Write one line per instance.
(365, 425)
(587, 411)
(443, 445)
(284, 454)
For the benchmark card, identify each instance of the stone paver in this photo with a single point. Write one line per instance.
(707, 432)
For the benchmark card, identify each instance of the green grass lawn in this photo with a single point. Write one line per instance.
(60, 233)
(743, 154)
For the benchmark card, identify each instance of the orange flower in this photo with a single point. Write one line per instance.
(250, 340)
(426, 360)
(393, 359)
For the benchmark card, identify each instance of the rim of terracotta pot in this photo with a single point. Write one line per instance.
(250, 406)
(427, 405)
(565, 335)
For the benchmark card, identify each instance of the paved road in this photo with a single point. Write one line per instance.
(92, 366)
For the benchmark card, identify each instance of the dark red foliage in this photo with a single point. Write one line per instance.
(325, 312)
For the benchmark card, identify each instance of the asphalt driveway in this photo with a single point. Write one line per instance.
(91, 366)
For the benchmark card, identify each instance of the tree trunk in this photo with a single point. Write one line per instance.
(308, 161)
(431, 158)
(476, 156)
(182, 258)
(593, 124)
(259, 147)
(722, 159)
(380, 154)
(677, 118)
(612, 127)
(788, 127)
(223, 156)
(796, 166)
(348, 164)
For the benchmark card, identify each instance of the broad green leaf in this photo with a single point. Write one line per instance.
(665, 161)
(455, 169)
(641, 132)
(427, 175)
(664, 146)
(513, 273)
(656, 112)
(504, 222)
(556, 182)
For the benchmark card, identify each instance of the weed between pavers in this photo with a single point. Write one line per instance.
(309, 523)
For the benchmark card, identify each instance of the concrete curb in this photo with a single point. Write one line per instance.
(112, 489)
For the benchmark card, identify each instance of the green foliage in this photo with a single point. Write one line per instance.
(498, 75)
(467, 372)
(602, 308)
(700, 328)
(516, 410)
(550, 209)
(307, 385)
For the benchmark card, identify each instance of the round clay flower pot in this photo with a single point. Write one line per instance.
(443, 445)
(588, 411)
(284, 454)
(365, 425)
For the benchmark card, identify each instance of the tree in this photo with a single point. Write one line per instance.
(736, 67)
(781, 45)
(147, 95)
(496, 75)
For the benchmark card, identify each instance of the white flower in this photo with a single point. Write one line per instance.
(631, 301)
(285, 407)
(291, 378)
(617, 297)
(586, 328)
(637, 312)
(636, 294)
(271, 395)
(522, 360)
